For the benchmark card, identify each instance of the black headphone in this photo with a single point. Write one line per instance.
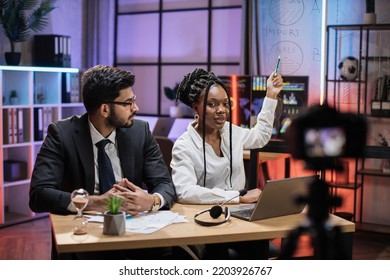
(216, 211)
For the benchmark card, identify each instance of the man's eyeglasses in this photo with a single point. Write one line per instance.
(127, 104)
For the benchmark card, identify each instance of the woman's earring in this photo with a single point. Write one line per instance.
(196, 117)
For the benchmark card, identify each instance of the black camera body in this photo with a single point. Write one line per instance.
(321, 135)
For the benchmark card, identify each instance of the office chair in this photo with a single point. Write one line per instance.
(166, 146)
(194, 251)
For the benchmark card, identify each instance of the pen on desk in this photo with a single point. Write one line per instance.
(277, 67)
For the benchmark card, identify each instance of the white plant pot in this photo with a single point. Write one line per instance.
(369, 18)
(175, 112)
(114, 224)
(14, 101)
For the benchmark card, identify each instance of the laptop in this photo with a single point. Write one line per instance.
(277, 199)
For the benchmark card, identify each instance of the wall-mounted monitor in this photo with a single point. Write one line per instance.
(291, 100)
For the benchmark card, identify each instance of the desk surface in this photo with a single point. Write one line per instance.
(178, 234)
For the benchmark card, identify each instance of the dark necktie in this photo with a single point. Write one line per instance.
(106, 174)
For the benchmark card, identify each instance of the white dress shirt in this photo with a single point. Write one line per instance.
(112, 152)
(187, 160)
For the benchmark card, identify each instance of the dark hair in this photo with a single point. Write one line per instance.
(189, 92)
(101, 84)
(194, 83)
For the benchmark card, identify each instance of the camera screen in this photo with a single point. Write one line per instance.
(325, 142)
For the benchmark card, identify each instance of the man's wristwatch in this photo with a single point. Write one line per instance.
(156, 203)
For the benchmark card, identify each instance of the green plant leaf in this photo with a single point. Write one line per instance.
(113, 204)
(19, 17)
(169, 93)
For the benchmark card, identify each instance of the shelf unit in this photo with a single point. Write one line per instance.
(365, 43)
(44, 94)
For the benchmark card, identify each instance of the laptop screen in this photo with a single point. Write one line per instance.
(278, 198)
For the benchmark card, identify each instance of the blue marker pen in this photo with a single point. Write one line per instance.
(277, 67)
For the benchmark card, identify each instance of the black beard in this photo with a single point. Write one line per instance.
(112, 120)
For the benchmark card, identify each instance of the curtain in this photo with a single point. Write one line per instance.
(250, 50)
(99, 32)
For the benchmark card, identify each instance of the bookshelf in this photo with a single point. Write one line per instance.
(32, 97)
(364, 94)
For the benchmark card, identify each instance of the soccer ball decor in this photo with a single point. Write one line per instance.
(349, 67)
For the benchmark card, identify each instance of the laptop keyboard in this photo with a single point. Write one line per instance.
(244, 213)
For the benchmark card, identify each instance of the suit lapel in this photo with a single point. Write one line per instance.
(126, 155)
(83, 144)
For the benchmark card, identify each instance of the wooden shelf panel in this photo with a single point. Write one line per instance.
(350, 186)
(377, 152)
(373, 172)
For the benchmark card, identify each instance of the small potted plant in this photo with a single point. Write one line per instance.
(114, 220)
(18, 18)
(175, 111)
(13, 98)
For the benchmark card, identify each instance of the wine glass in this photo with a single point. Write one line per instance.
(79, 198)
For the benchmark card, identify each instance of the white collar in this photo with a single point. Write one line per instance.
(198, 139)
(97, 137)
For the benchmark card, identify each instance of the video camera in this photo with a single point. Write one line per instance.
(321, 135)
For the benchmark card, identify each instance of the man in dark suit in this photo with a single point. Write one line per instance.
(68, 158)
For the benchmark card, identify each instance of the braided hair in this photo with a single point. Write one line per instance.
(189, 91)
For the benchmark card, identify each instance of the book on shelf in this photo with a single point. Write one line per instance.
(5, 127)
(10, 125)
(382, 90)
(75, 88)
(46, 119)
(42, 119)
(380, 105)
(38, 124)
(70, 88)
(20, 134)
(379, 89)
(52, 50)
(13, 122)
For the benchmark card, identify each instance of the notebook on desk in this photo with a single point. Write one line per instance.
(277, 199)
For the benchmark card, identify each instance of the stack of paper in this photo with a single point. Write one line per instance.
(147, 222)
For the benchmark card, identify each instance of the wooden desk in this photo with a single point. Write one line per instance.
(178, 234)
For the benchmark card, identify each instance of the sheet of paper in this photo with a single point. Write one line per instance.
(146, 222)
